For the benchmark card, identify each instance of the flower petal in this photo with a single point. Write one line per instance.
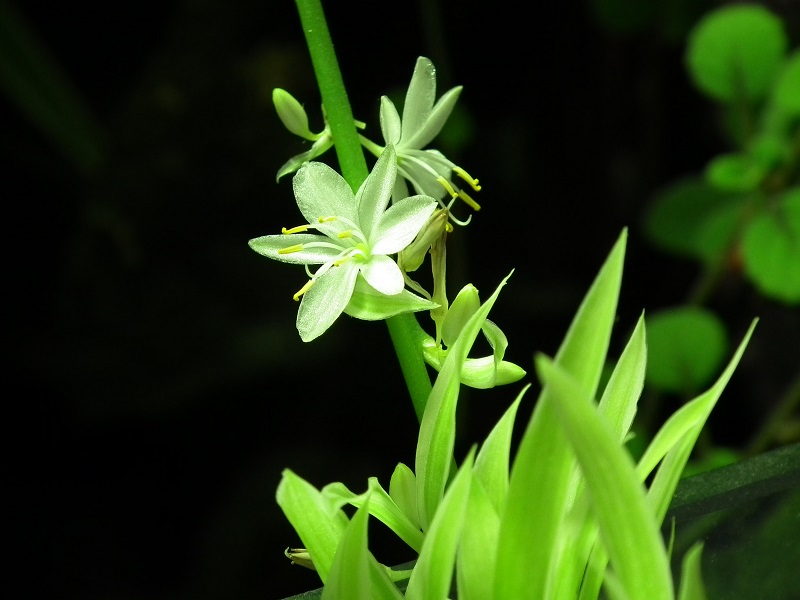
(325, 301)
(373, 196)
(369, 304)
(419, 98)
(322, 192)
(319, 147)
(390, 121)
(401, 224)
(436, 120)
(270, 245)
(382, 273)
(292, 114)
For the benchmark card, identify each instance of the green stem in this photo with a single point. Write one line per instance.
(405, 331)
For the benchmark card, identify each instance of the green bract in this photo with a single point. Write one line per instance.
(428, 171)
(358, 235)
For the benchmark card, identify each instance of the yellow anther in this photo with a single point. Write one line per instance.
(446, 185)
(303, 289)
(468, 178)
(326, 219)
(291, 249)
(347, 233)
(465, 197)
(298, 229)
(448, 227)
(341, 261)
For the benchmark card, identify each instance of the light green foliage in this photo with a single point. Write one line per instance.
(686, 346)
(787, 90)
(692, 587)
(771, 249)
(736, 52)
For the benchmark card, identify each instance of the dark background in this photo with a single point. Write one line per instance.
(158, 384)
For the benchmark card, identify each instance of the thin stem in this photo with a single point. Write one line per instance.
(404, 330)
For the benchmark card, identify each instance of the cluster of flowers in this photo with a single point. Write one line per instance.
(366, 244)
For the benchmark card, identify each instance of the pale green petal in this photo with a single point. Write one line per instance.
(400, 190)
(461, 310)
(292, 114)
(322, 192)
(382, 273)
(419, 98)
(369, 304)
(438, 117)
(319, 147)
(423, 181)
(325, 301)
(373, 195)
(484, 373)
(390, 121)
(401, 224)
(269, 245)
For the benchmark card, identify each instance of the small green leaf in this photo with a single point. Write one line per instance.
(678, 217)
(736, 52)
(686, 345)
(691, 576)
(319, 523)
(771, 250)
(787, 90)
(735, 173)
(403, 490)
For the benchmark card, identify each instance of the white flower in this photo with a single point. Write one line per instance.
(358, 235)
(428, 171)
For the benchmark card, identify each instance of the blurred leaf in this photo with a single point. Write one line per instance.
(787, 90)
(735, 173)
(691, 576)
(42, 92)
(736, 51)
(771, 250)
(686, 345)
(680, 216)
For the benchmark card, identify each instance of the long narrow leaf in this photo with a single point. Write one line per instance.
(433, 573)
(478, 540)
(541, 476)
(628, 529)
(437, 430)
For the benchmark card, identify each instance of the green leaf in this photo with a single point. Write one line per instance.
(492, 464)
(629, 531)
(382, 507)
(735, 173)
(736, 52)
(621, 396)
(787, 90)
(475, 572)
(355, 574)
(686, 346)
(433, 572)
(403, 491)
(438, 428)
(771, 250)
(319, 523)
(691, 576)
(533, 515)
(678, 218)
(676, 438)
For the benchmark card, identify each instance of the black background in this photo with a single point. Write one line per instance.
(158, 384)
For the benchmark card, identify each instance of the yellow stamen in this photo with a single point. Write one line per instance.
(341, 261)
(345, 234)
(303, 289)
(446, 185)
(291, 249)
(326, 219)
(466, 198)
(448, 227)
(297, 229)
(468, 178)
